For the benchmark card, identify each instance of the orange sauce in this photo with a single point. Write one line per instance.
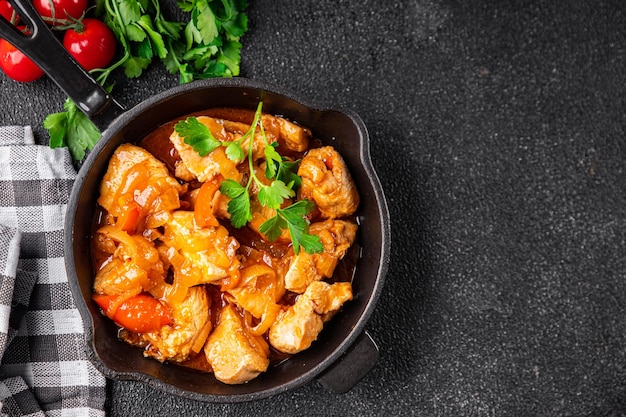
(158, 144)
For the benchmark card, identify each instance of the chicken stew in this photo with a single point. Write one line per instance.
(224, 241)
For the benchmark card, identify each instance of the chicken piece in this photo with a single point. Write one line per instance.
(135, 178)
(220, 206)
(182, 172)
(258, 292)
(190, 320)
(118, 277)
(297, 327)
(198, 255)
(327, 182)
(337, 236)
(206, 167)
(239, 129)
(291, 136)
(134, 264)
(258, 287)
(278, 129)
(235, 355)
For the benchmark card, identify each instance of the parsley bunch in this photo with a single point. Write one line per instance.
(279, 169)
(207, 45)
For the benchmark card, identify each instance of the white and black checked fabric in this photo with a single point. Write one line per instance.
(44, 370)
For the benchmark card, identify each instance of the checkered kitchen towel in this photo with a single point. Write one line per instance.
(44, 370)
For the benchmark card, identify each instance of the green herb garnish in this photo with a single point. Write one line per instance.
(73, 129)
(279, 169)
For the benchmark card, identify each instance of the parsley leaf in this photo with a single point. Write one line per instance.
(56, 123)
(156, 40)
(204, 21)
(293, 219)
(197, 135)
(234, 151)
(230, 56)
(298, 210)
(72, 129)
(299, 227)
(301, 237)
(129, 11)
(273, 195)
(287, 173)
(272, 160)
(232, 188)
(239, 205)
(135, 33)
(134, 67)
(272, 227)
(236, 25)
(281, 168)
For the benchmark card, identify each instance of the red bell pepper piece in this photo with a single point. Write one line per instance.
(140, 313)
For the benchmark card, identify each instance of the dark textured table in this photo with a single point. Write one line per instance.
(497, 130)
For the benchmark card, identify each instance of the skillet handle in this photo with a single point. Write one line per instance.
(46, 51)
(343, 375)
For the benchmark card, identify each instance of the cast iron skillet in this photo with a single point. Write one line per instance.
(343, 353)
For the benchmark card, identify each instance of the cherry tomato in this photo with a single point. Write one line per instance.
(58, 12)
(6, 11)
(16, 65)
(140, 313)
(93, 46)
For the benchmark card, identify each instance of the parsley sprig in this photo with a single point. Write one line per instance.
(280, 170)
(73, 129)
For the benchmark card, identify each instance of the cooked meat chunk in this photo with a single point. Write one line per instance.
(258, 293)
(298, 326)
(337, 237)
(327, 182)
(238, 129)
(198, 255)
(278, 129)
(291, 136)
(134, 264)
(190, 318)
(209, 166)
(135, 179)
(235, 355)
